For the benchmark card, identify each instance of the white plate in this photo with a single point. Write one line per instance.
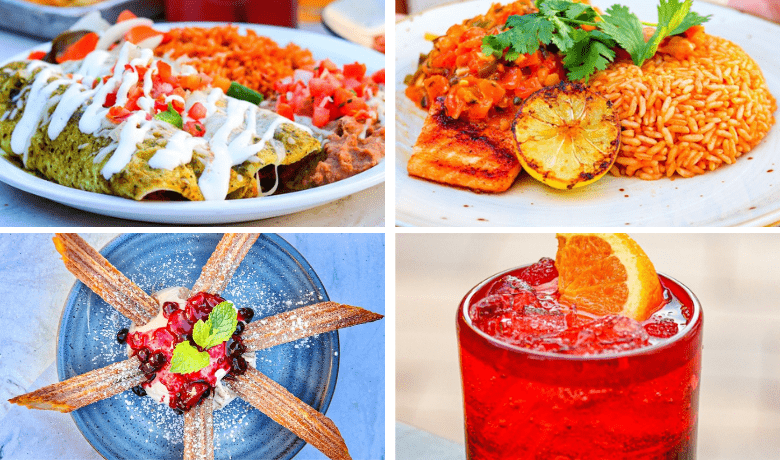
(746, 193)
(218, 212)
(358, 21)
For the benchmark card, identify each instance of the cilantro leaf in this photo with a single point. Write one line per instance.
(187, 359)
(562, 38)
(551, 8)
(584, 37)
(626, 29)
(592, 52)
(581, 12)
(171, 116)
(692, 19)
(671, 14)
(523, 37)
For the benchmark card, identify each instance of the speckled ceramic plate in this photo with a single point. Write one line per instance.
(746, 193)
(273, 278)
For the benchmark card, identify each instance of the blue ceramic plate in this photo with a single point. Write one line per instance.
(273, 278)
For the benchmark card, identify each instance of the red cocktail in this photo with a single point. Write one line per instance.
(543, 381)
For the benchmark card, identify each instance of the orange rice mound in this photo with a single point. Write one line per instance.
(252, 60)
(690, 114)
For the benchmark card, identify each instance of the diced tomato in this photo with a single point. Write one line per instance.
(164, 71)
(160, 105)
(197, 111)
(694, 30)
(341, 96)
(321, 116)
(321, 87)
(132, 98)
(285, 110)
(80, 49)
(110, 99)
(328, 65)
(195, 128)
(356, 71)
(118, 114)
(379, 77)
(490, 90)
(125, 15)
(37, 55)
(354, 85)
(353, 106)
(445, 59)
(192, 82)
(528, 87)
(177, 105)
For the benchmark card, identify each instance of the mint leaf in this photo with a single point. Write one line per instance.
(187, 359)
(626, 29)
(220, 325)
(201, 332)
(170, 116)
(223, 319)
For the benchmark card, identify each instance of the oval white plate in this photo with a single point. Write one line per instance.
(746, 193)
(218, 212)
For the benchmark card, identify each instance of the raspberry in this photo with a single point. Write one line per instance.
(541, 272)
(661, 328)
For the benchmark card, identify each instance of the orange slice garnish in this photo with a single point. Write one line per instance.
(607, 274)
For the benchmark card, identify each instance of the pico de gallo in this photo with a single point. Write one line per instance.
(328, 93)
(476, 86)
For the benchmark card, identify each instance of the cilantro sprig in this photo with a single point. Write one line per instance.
(170, 116)
(220, 325)
(587, 38)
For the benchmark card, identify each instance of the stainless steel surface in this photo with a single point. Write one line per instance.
(48, 21)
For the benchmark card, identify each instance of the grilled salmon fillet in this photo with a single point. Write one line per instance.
(474, 155)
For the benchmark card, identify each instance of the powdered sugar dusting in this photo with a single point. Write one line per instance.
(269, 281)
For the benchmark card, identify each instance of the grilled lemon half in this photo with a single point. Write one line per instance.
(567, 136)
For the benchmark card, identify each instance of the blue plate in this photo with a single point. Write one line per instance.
(273, 278)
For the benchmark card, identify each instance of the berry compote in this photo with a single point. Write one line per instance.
(543, 381)
(154, 343)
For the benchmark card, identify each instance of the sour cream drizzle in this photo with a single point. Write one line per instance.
(232, 143)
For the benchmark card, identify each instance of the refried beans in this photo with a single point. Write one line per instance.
(349, 151)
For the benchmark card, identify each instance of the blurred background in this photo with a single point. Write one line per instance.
(769, 9)
(734, 276)
(356, 20)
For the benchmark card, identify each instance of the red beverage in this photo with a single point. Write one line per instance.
(543, 382)
(278, 12)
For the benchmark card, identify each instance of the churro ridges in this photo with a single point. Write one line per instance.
(303, 322)
(285, 409)
(104, 279)
(84, 389)
(219, 269)
(199, 431)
